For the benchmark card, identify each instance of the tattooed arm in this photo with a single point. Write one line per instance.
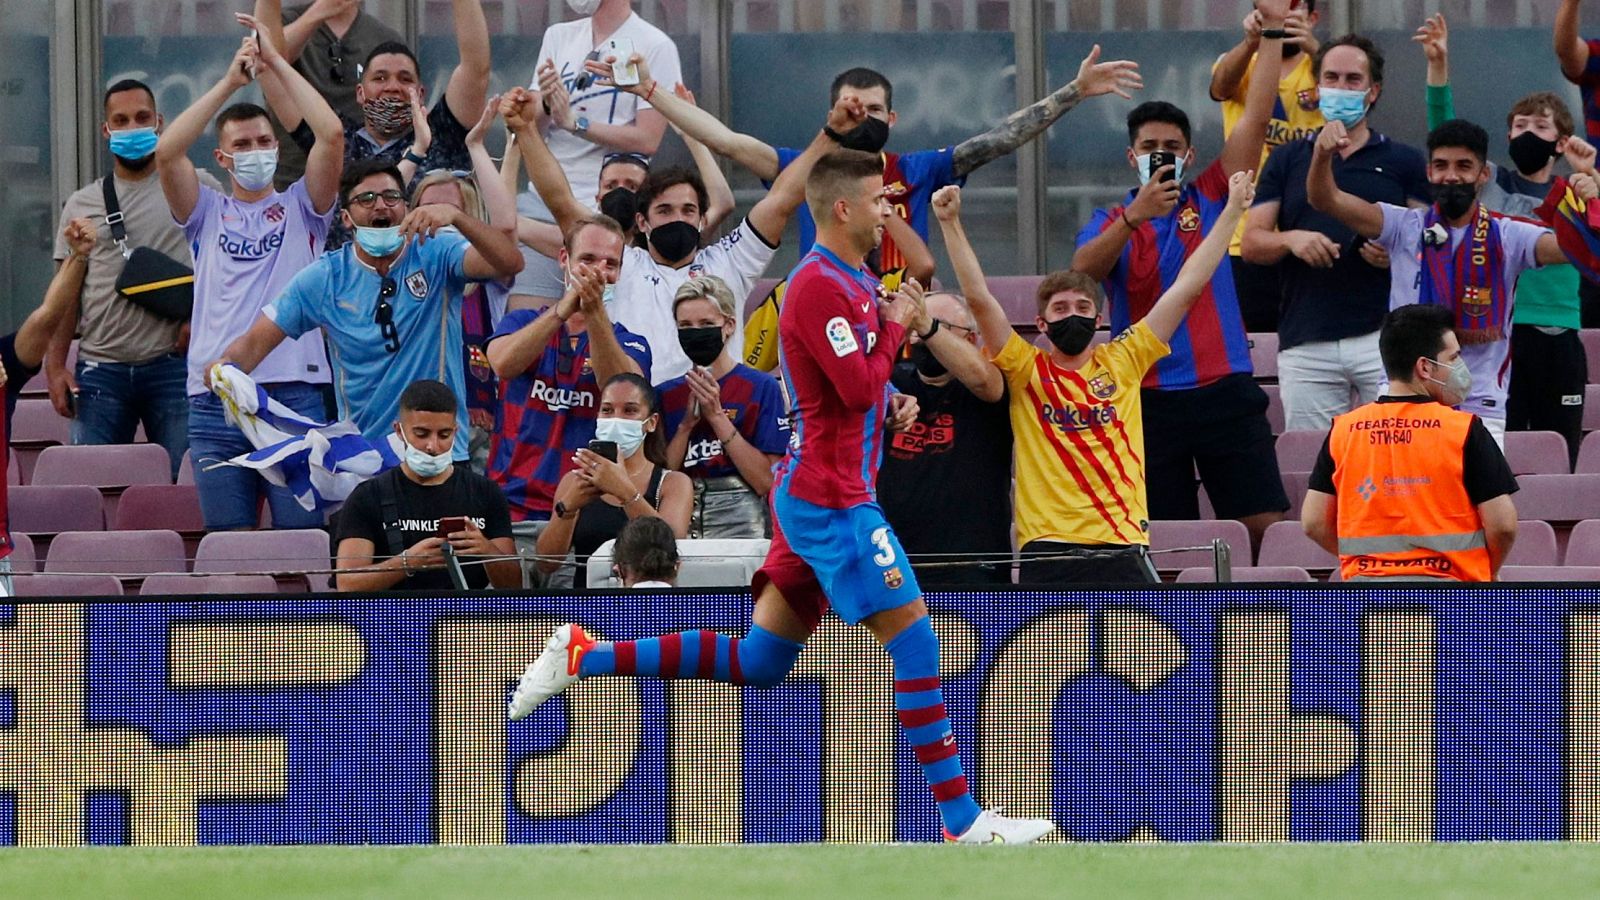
(1094, 78)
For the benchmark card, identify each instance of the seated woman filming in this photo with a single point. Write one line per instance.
(595, 500)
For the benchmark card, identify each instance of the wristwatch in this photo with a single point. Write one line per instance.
(1274, 34)
(581, 125)
(561, 510)
(932, 330)
(412, 157)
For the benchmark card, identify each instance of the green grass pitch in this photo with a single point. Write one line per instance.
(1098, 871)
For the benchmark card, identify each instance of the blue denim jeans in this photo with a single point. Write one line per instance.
(229, 494)
(113, 398)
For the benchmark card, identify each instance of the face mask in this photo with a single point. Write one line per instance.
(620, 204)
(426, 465)
(1530, 153)
(134, 144)
(584, 7)
(1072, 334)
(675, 240)
(868, 137)
(253, 169)
(1454, 200)
(379, 241)
(927, 364)
(387, 115)
(1455, 388)
(1142, 161)
(627, 433)
(1340, 105)
(702, 345)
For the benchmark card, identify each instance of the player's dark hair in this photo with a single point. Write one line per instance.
(655, 443)
(646, 550)
(1463, 134)
(1158, 111)
(240, 112)
(388, 47)
(1360, 42)
(428, 395)
(128, 84)
(861, 78)
(662, 180)
(360, 171)
(1411, 333)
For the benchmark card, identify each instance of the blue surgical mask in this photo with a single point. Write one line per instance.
(1142, 161)
(379, 241)
(426, 465)
(607, 294)
(133, 144)
(627, 433)
(1340, 105)
(253, 169)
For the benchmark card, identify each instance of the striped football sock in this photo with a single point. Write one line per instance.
(920, 705)
(759, 659)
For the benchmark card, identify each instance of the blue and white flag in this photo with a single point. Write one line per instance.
(320, 463)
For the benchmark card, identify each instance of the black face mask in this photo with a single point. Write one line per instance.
(1531, 153)
(868, 137)
(927, 364)
(675, 240)
(620, 204)
(1454, 200)
(1072, 334)
(702, 345)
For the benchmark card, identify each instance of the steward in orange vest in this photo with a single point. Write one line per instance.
(1408, 487)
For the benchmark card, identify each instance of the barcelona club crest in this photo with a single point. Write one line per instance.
(892, 579)
(1307, 99)
(1475, 301)
(1189, 219)
(1102, 386)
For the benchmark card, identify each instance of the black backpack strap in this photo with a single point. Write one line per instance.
(389, 509)
(114, 217)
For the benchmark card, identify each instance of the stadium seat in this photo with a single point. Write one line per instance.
(48, 509)
(1242, 574)
(1297, 450)
(1591, 347)
(1264, 355)
(1294, 485)
(296, 550)
(1017, 295)
(1286, 544)
(1274, 408)
(1589, 455)
(1537, 453)
(1583, 545)
(172, 506)
(67, 586)
(158, 585)
(35, 426)
(109, 467)
(1559, 499)
(1535, 546)
(1591, 407)
(708, 562)
(1172, 535)
(22, 555)
(186, 469)
(129, 553)
(1550, 573)
(13, 468)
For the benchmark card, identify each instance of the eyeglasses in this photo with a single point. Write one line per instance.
(368, 199)
(384, 316)
(336, 52)
(462, 174)
(637, 159)
(585, 77)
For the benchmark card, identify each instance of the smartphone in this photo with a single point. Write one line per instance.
(622, 71)
(1159, 158)
(250, 68)
(608, 449)
(450, 525)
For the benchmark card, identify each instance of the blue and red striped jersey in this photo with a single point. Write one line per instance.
(1589, 90)
(1211, 343)
(836, 354)
(546, 414)
(754, 404)
(909, 181)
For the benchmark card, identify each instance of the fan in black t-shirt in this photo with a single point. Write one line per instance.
(398, 523)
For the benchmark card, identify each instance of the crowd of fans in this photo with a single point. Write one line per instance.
(559, 361)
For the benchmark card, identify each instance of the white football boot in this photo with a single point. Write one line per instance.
(550, 674)
(994, 828)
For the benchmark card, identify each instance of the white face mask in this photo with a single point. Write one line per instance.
(253, 169)
(584, 7)
(627, 433)
(426, 465)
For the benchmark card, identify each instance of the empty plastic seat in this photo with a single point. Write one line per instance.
(1297, 450)
(1274, 408)
(1168, 535)
(1558, 498)
(132, 554)
(1286, 544)
(1205, 575)
(1589, 454)
(1537, 453)
(49, 509)
(22, 555)
(35, 426)
(186, 469)
(1017, 295)
(1591, 347)
(1550, 573)
(1294, 487)
(1535, 546)
(109, 467)
(66, 585)
(158, 585)
(1591, 407)
(1264, 354)
(296, 550)
(13, 468)
(171, 506)
(1583, 545)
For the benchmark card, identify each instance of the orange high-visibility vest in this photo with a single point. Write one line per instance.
(1402, 498)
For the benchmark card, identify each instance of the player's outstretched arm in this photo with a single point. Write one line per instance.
(992, 322)
(1165, 317)
(1094, 78)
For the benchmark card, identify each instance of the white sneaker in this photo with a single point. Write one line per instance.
(993, 828)
(550, 674)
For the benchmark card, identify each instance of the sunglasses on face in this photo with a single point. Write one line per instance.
(384, 316)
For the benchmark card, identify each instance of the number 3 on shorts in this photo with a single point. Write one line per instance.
(885, 554)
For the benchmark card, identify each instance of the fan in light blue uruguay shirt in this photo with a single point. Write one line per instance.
(388, 302)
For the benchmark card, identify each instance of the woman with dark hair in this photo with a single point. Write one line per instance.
(595, 500)
(646, 554)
